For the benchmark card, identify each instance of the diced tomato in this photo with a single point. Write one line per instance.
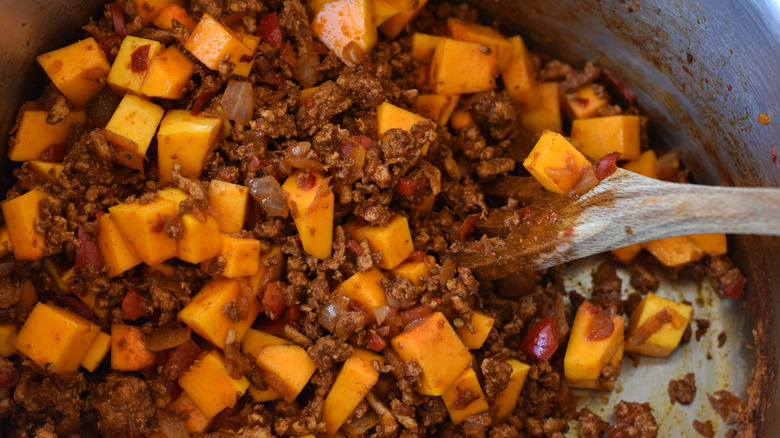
(273, 299)
(309, 181)
(468, 225)
(133, 305)
(735, 288)
(87, 254)
(291, 315)
(268, 29)
(55, 152)
(375, 342)
(274, 327)
(180, 359)
(288, 55)
(139, 59)
(118, 18)
(542, 341)
(201, 101)
(409, 186)
(601, 326)
(606, 165)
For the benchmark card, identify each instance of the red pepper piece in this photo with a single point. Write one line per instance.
(542, 341)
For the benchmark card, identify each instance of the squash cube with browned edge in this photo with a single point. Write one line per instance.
(627, 254)
(254, 341)
(55, 338)
(415, 271)
(77, 70)
(506, 400)
(49, 171)
(210, 386)
(713, 244)
(482, 325)
(242, 256)
(476, 33)
(168, 75)
(424, 45)
(128, 349)
(600, 136)
(185, 139)
(460, 67)
(8, 334)
(605, 382)
(269, 268)
(311, 205)
(34, 135)
(657, 325)
(466, 381)
(389, 116)
(556, 164)
(166, 15)
(586, 102)
(520, 77)
(674, 251)
(436, 107)
(644, 165)
(460, 120)
(117, 254)
(347, 28)
(173, 194)
(407, 10)
(5, 242)
(437, 349)
(383, 11)
(262, 395)
(148, 9)
(197, 421)
(143, 228)
(131, 64)
(20, 214)
(205, 314)
(547, 115)
(228, 201)
(353, 382)
(365, 288)
(596, 335)
(135, 120)
(286, 369)
(393, 240)
(97, 352)
(211, 42)
(200, 240)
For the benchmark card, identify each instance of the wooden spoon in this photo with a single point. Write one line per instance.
(624, 209)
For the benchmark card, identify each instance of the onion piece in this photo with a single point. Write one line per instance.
(329, 316)
(587, 181)
(238, 101)
(165, 338)
(381, 313)
(267, 191)
(360, 425)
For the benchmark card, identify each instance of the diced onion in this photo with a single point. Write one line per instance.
(165, 338)
(329, 316)
(360, 425)
(238, 101)
(267, 191)
(586, 182)
(381, 313)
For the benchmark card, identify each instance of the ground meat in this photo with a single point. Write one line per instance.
(495, 111)
(701, 327)
(704, 429)
(329, 100)
(642, 279)
(37, 392)
(730, 407)
(496, 374)
(721, 339)
(606, 286)
(591, 425)
(328, 351)
(494, 167)
(683, 390)
(633, 420)
(124, 405)
(578, 79)
(725, 277)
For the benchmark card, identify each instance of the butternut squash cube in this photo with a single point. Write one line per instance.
(585, 102)
(506, 400)
(463, 31)
(77, 70)
(383, 10)
(205, 314)
(164, 18)
(197, 421)
(128, 349)
(55, 338)
(644, 165)
(89, 298)
(228, 201)
(125, 74)
(209, 385)
(460, 120)
(8, 334)
(674, 251)
(460, 67)
(270, 268)
(47, 170)
(556, 164)
(436, 107)
(173, 194)
(389, 116)
(311, 206)
(186, 139)
(424, 45)
(262, 395)
(136, 119)
(415, 271)
(286, 369)
(520, 77)
(97, 352)
(466, 381)
(347, 28)
(143, 228)
(713, 244)
(29, 297)
(148, 9)
(394, 240)
(117, 254)
(657, 325)
(34, 135)
(627, 254)
(547, 115)
(168, 75)
(425, 204)
(437, 349)
(602, 384)
(591, 346)
(244, 67)
(364, 288)
(353, 382)
(5, 242)
(211, 42)
(600, 136)
(242, 256)
(199, 241)
(407, 10)
(255, 340)
(482, 325)
(20, 214)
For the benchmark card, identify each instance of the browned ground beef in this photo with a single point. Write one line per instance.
(683, 390)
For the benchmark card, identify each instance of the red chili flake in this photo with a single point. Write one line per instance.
(375, 342)
(468, 225)
(542, 341)
(139, 59)
(774, 155)
(180, 359)
(201, 101)
(87, 253)
(354, 246)
(133, 305)
(606, 165)
(274, 299)
(268, 29)
(409, 186)
(55, 152)
(309, 181)
(119, 19)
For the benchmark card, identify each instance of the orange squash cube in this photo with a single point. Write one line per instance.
(148, 9)
(353, 382)
(674, 251)
(415, 271)
(644, 165)
(205, 314)
(347, 28)
(211, 42)
(585, 103)
(656, 326)
(33, 135)
(311, 206)
(556, 164)
(270, 268)
(123, 77)
(186, 139)
(407, 10)
(8, 334)
(424, 45)
(600, 136)
(365, 288)
(262, 395)
(589, 350)
(228, 201)
(627, 254)
(460, 67)
(164, 18)
(128, 349)
(383, 10)
(547, 115)
(463, 31)
(197, 421)
(506, 400)
(173, 194)
(29, 297)
(97, 352)
(713, 244)
(394, 240)
(482, 325)
(437, 349)
(602, 384)
(254, 341)
(117, 254)
(389, 116)
(466, 381)
(136, 119)
(242, 256)
(520, 78)
(460, 120)
(209, 385)
(20, 214)
(436, 107)
(47, 170)
(55, 338)
(143, 228)
(77, 70)
(286, 369)
(168, 75)
(199, 241)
